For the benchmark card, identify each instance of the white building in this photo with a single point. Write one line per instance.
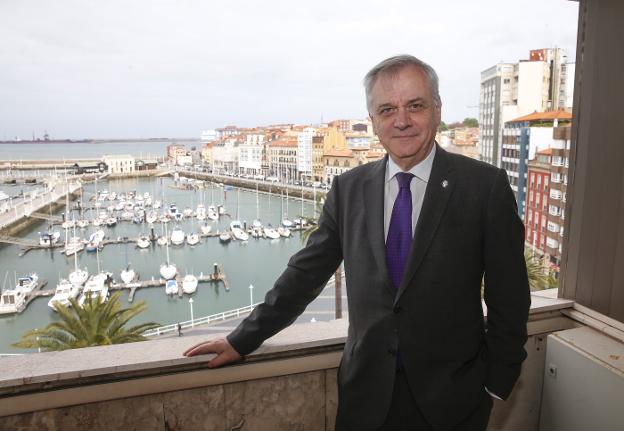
(225, 156)
(208, 135)
(511, 90)
(250, 155)
(119, 163)
(304, 152)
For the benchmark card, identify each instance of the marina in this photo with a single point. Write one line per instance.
(257, 260)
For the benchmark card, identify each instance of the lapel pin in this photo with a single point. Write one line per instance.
(444, 184)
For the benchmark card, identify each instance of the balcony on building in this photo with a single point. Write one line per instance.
(573, 378)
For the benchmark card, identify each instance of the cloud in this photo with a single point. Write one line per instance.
(155, 68)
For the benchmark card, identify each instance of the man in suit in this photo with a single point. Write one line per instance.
(418, 232)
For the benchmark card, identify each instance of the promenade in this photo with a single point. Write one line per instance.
(24, 208)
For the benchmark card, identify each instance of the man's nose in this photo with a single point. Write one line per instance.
(402, 119)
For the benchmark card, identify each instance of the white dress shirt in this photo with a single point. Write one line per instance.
(421, 172)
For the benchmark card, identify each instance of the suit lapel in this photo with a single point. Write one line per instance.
(439, 188)
(373, 198)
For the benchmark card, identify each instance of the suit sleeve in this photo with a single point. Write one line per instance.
(303, 280)
(506, 291)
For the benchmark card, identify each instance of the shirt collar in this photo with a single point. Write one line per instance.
(421, 170)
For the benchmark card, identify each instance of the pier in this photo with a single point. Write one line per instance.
(26, 208)
(217, 276)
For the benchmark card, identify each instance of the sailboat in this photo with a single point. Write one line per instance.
(213, 213)
(128, 275)
(177, 236)
(189, 284)
(143, 241)
(82, 222)
(285, 221)
(235, 225)
(78, 276)
(74, 244)
(167, 269)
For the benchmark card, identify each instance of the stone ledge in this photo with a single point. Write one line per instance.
(42, 371)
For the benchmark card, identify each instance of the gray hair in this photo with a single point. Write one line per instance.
(396, 63)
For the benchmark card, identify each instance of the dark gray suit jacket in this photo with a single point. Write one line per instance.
(468, 227)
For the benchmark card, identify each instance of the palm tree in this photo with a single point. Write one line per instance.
(540, 275)
(312, 225)
(94, 324)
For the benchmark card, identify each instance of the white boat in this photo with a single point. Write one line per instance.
(97, 222)
(46, 239)
(164, 218)
(205, 229)
(171, 287)
(14, 300)
(283, 231)
(68, 224)
(167, 269)
(96, 288)
(256, 232)
(64, 290)
(201, 212)
(28, 283)
(157, 204)
(237, 231)
(213, 214)
(192, 239)
(82, 223)
(143, 241)
(225, 237)
(221, 210)
(151, 217)
(95, 239)
(177, 236)
(128, 275)
(188, 212)
(287, 223)
(162, 240)
(271, 233)
(111, 221)
(73, 246)
(189, 284)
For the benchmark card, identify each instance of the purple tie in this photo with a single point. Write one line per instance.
(399, 239)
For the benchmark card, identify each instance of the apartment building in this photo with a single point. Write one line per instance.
(536, 207)
(510, 90)
(283, 159)
(523, 137)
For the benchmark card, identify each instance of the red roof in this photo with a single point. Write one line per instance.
(541, 116)
(546, 152)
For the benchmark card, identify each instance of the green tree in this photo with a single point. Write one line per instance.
(442, 127)
(94, 324)
(471, 122)
(311, 226)
(540, 275)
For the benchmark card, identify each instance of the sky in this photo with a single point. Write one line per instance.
(172, 68)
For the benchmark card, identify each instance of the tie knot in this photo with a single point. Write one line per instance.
(404, 179)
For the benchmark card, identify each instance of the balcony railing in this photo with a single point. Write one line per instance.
(151, 385)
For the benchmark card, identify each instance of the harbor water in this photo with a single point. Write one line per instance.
(256, 262)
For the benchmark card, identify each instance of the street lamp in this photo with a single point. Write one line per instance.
(251, 295)
(192, 319)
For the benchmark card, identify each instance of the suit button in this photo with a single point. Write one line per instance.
(397, 309)
(392, 351)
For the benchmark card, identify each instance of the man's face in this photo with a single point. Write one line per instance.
(404, 114)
